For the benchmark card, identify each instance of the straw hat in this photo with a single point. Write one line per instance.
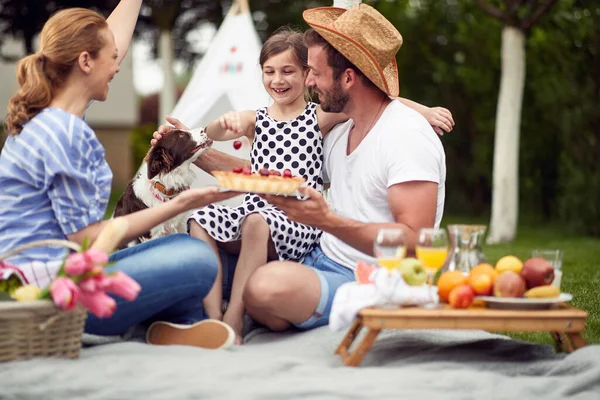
(364, 37)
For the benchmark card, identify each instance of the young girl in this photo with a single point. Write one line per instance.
(56, 182)
(285, 136)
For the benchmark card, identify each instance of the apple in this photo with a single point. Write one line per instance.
(413, 272)
(509, 284)
(537, 272)
(461, 296)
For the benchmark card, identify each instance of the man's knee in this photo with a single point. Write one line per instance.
(266, 287)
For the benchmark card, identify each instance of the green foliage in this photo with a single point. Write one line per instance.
(140, 142)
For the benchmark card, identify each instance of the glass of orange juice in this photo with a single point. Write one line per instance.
(432, 250)
(389, 247)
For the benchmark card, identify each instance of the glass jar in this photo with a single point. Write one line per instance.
(466, 248)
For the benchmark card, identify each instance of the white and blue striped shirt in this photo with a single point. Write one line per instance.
(54, 181)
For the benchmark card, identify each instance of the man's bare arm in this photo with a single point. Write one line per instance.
(215, 160)
(413, 205)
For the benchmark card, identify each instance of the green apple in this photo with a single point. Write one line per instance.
(413, 272)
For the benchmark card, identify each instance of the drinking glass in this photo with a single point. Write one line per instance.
(555, 257)
(432, 250)
(389, 247)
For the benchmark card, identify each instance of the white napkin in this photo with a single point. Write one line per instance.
(387, 288)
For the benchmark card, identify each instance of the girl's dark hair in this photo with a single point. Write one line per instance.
(283, 39)
(64, 37)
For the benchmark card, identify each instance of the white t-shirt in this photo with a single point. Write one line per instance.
(401, 147)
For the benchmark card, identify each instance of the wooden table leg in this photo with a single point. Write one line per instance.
(355, 358)
(576, 340)
(350, 337)
(562, 341)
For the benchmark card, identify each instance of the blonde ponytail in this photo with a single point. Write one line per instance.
(34, 95)
(64, 37)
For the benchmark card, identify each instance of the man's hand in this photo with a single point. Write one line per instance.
(313, 211)
(176, 124)
(440, 119)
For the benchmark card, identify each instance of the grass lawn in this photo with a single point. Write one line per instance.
(581, 266)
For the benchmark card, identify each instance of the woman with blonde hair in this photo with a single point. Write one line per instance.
(56, 182)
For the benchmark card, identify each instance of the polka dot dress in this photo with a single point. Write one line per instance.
(295, 145)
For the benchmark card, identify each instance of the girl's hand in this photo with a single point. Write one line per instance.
(234, 121)
(440, 119)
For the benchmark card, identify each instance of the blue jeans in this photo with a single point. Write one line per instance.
(176, 272)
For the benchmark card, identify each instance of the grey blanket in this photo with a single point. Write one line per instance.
(402, 365)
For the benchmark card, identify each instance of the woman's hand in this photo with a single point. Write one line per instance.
(192, 199)
(440, 119)
(163, 129)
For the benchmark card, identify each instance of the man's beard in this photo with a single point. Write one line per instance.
(335, 100)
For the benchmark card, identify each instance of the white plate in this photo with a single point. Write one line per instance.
(507, 303)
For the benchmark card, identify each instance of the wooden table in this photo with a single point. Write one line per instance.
(565, 323)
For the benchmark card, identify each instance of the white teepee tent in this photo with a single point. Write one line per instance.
(227, 79)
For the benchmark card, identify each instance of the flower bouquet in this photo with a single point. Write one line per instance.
(49, 321)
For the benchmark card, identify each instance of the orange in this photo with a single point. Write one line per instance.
(448, 281)
(485, 269)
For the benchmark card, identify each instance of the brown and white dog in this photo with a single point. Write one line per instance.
(165, 173)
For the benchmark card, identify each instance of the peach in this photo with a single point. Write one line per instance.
(509, 284)
(482, 284)
(461, 296)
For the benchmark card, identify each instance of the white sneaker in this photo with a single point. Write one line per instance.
(208, 334)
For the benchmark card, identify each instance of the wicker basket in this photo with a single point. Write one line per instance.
(39, 328)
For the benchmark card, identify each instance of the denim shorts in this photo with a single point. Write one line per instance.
(331, 276)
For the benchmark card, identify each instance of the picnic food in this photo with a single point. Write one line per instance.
(509, 284)
(537, 272)
(543, 292)
(237, 144)
(482, 284)
(461, 296)
(448, 281)
(413, 272)
(265, 181)
(509, 263)
(485, 269)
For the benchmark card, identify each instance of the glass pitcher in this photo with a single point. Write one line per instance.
(466, 251)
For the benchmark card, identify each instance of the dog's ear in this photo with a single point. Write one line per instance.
(159, 161)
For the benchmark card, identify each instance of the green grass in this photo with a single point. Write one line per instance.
(581, 268)
(581, 265)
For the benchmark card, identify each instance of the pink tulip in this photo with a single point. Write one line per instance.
(96, 257)
(123, 286)
(99, 303)
(65, 293)
(76, 264)
(97, 283)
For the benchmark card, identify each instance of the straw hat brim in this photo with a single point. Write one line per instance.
(385, 77)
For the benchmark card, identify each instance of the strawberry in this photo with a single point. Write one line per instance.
(246, 171)
(264, 172)
(238, 170)
(287, 173)
(276, 173)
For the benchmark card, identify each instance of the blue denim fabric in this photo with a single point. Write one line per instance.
(176, 272)
(332, 275)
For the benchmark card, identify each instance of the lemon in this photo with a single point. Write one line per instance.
(26, 293)
(509, 263)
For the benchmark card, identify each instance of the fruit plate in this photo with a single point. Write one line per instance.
(507, 303)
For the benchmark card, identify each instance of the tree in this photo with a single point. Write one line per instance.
(517, 17)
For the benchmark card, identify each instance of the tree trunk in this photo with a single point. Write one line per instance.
(505, 190)
(169, 91)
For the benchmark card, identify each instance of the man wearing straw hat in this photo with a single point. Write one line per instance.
(386, 167)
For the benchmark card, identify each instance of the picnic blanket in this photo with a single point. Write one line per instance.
(414, 364)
